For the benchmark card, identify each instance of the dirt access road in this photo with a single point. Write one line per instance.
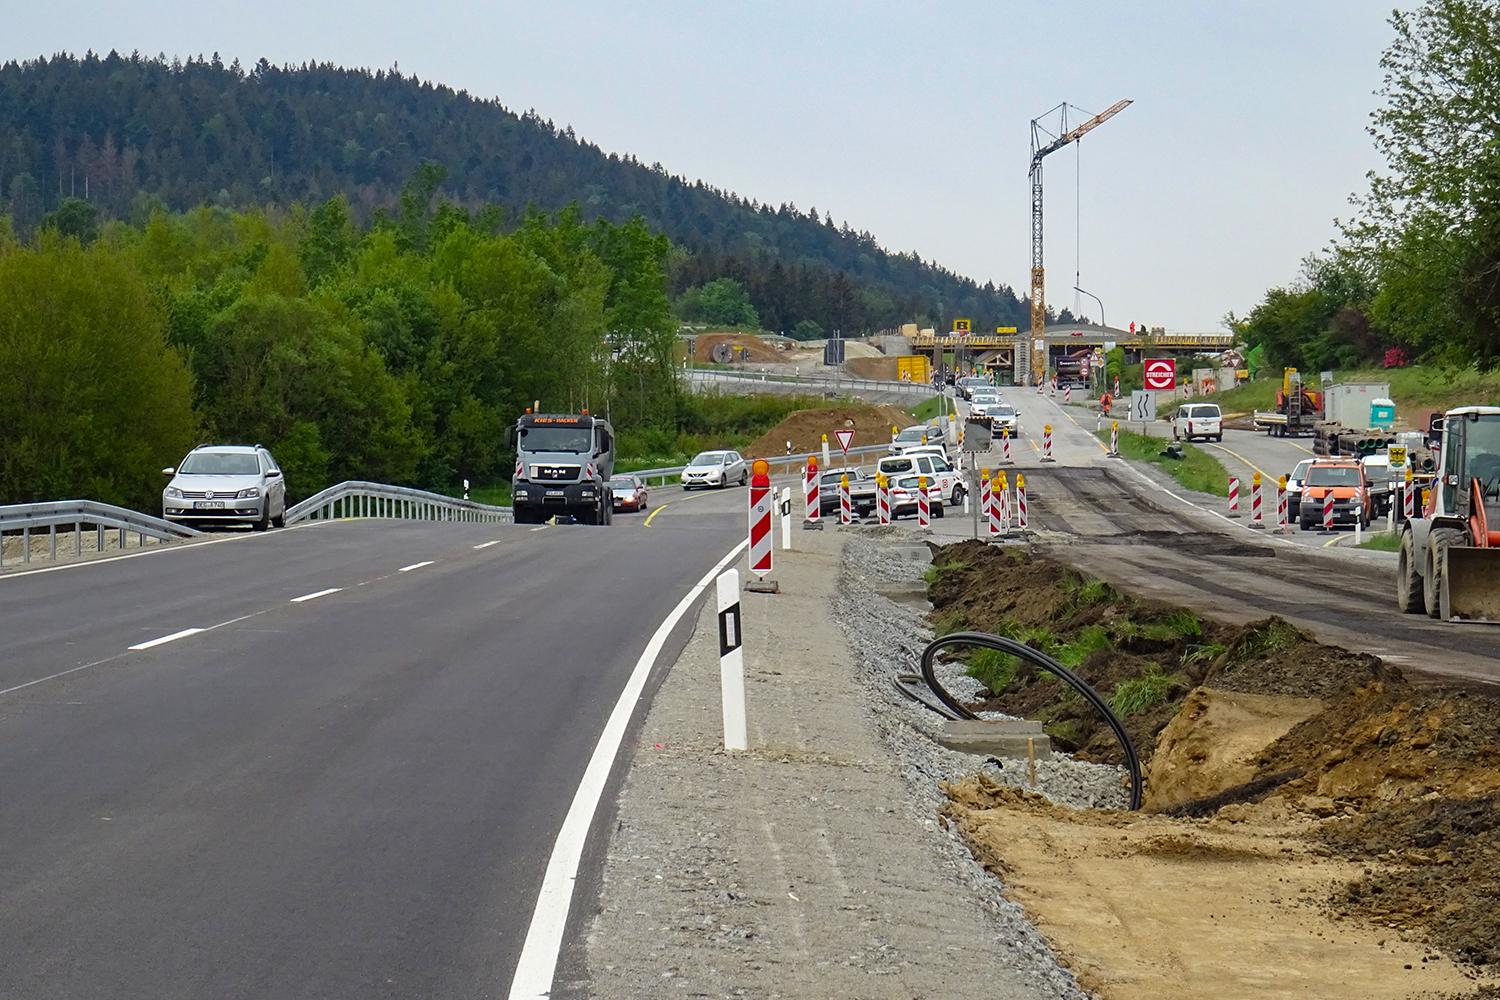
(1134, 528)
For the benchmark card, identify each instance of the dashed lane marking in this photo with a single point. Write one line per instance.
(408, 569)
(165, 639)
(315, 595)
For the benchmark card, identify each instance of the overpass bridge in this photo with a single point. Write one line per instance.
(1012, 350)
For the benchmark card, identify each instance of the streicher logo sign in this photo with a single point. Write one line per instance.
(1160, 374)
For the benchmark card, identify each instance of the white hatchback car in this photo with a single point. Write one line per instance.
(715, 468)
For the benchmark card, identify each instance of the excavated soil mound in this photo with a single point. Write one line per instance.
(1262, 727)
(755, 349)
(805, 428)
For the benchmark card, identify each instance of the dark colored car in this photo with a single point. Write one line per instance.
(630, 493)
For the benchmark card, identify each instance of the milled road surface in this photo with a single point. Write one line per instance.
(350, 795)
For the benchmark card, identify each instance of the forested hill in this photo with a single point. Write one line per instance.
(121, 131)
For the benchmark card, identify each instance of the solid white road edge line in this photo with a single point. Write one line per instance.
(164, 639)
(408, 569)
(538, 962)
(485, 545)
(316, 594)
(154, 549)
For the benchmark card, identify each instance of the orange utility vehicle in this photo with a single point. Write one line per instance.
(1346, 480)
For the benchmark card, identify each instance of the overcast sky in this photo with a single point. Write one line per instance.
(910, 120)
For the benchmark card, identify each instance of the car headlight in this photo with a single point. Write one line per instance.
(251, 494)
(173, 493)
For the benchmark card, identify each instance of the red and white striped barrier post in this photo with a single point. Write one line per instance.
(1003, 495)
(1040, 386)
(1328, 510)
(1067, 394)
(846, 504)
(993, 511)
(1021, 521)
(1257, 520)
(1005, 442)
(1409, 496)
(883, 499)
(924, 512)
(1234, 496)
(984, 494)
(1053, 390)
(761, 503)
(810, 490)
(1281, 525)
(1046, 442)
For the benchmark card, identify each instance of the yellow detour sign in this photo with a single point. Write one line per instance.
(962, 326)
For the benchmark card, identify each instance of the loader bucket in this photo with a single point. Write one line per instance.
(1471, 584)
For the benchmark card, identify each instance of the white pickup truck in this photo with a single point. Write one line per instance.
(942, 478)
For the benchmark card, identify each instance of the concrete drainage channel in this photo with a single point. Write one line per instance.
(881, 606)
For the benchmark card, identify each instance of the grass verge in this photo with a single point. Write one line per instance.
(927, 411)
(1196, 470)
(1385, 541)
(1414, 389)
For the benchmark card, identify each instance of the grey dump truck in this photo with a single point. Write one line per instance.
(563, 466)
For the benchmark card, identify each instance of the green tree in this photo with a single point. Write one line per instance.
(92, 399)
(76, 218)
(722, 302)
(807, 329)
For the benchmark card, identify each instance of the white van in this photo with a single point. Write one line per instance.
(1198, 420)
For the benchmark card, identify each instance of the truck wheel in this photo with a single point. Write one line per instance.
(1433, 585)
(1409, 596)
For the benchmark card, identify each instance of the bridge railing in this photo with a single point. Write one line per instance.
(82, 521)
(700, 376)
(362, 499)
(782, 462)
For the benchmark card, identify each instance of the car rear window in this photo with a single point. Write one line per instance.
(896, 465)
(1203, 412)
(1340, 475)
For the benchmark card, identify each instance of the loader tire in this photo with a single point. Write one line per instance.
(1438, 543)
(1409, 597)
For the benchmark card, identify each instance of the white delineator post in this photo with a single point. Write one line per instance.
(846, 503)
(1256, 519)
(1020, 502)
(810, 489)
(786, 517)
(1046, 442)
(1359, 514)
(732, 662)
(1281, 525)
(924, 513)
(827, 462)
(1234, 496)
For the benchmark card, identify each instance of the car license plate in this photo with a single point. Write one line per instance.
(557, 493)
(208, 504)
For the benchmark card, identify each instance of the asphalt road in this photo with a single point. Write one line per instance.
(349, 795)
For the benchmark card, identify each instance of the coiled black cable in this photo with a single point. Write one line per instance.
(1045, 662)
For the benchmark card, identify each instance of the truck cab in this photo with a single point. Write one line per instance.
(564, 462)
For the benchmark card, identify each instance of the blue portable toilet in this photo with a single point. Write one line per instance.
(1382, 413)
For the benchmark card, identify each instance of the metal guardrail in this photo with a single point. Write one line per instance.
(26, 519)
(361, 499)
(710, 376)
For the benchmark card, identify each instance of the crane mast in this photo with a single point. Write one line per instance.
(1043, 143)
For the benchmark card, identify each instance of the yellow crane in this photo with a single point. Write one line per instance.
(1042, 143)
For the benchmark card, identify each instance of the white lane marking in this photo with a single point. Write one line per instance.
(316, 594)
(60, 673)
(166, 638)
(408, 569)
(541, 527)
(485, 545)
(538, 962)
(154, 549)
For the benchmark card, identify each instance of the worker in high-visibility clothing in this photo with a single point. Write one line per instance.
(1104, 402)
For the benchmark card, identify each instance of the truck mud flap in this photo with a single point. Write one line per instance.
(1471, 584)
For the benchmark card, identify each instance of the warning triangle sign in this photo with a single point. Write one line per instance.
(846, 437)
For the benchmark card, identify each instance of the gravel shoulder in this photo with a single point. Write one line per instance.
(813, 865)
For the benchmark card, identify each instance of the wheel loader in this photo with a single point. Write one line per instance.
(1449, 563)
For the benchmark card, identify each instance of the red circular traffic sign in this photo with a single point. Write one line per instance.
(1160, 374)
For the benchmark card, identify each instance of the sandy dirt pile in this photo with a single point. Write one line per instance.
(755, 349)
(805, 428)
(1310, 813)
